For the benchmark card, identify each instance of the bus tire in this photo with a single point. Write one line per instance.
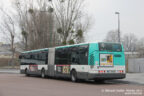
(26, 72)
(74, 76)
(43, 73)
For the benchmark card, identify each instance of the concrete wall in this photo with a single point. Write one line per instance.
(136, 65)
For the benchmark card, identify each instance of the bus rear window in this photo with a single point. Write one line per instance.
(110, 47)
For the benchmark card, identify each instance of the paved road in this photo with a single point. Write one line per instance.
(135, 78)
(19, 85)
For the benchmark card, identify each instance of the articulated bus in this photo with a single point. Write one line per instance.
(91, 61)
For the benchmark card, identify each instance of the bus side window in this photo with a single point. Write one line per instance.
(28, 56)
(24, 56)
(38, 57)
(57, 56)
(46, 57)
(46, 60)
(83, 51)
(31, 56)
(62, 56)
(43, 56)
(74, 55)
(35, 56)
(79, 55)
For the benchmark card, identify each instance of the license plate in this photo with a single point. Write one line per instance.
(111, 71)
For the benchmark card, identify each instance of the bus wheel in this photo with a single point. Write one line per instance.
(43, 73)
(26, 72)
(73, 76)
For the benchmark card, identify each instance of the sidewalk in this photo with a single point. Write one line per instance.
(131, 78)
(10, 71)
(135, 77)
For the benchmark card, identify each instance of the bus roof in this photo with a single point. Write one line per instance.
(45, 49)
(71, 45)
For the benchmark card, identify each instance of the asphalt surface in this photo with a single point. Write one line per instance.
(20, 85)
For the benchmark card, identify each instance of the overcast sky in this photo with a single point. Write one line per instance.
(104, 18)
(103, 11)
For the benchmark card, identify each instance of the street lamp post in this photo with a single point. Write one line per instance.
(119, 39)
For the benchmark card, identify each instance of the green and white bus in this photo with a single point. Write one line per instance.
(90, 61)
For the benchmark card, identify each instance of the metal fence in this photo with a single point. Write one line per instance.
(136, 65)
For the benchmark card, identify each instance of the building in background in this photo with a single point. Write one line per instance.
(6, 54)
(5, 50)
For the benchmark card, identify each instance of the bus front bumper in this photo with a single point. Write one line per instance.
(106, 76)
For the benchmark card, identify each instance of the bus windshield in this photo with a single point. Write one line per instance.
(110, 47)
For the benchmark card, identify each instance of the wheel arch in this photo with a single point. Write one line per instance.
(42, 68)
(26, 69)
(73, 69)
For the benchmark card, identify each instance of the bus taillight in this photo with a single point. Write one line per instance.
(122, 71)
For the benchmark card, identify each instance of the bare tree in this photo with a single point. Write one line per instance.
(36, 22)
(8, 27)
(112, 36)
(140, 47)
(70, 22)
(130, 42)
(48, 23)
